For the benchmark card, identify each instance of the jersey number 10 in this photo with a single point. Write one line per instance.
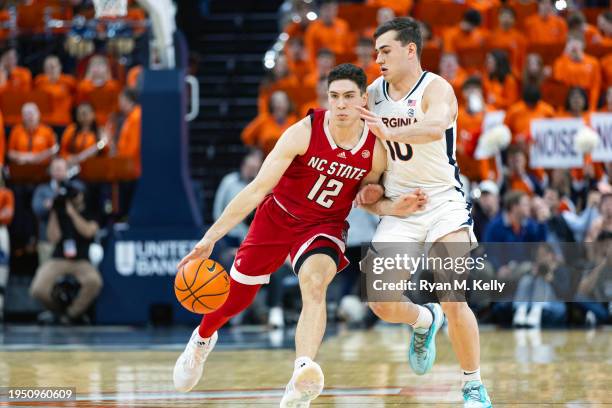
(396, 151)
(332, 189)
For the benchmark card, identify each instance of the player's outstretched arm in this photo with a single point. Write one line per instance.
(293, 142)
(402, 206)
(440, 108)
(370, 190)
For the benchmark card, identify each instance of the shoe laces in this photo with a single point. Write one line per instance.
(419, 342)
(472, 393)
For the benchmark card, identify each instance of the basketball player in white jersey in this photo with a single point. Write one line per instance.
(414, 113)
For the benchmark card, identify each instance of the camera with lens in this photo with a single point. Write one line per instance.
(66, 191)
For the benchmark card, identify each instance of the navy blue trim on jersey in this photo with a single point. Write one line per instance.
(470, 220)
(384, 89)
(450, 148)
(414, 88)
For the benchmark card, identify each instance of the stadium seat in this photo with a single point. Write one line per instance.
(439, 13)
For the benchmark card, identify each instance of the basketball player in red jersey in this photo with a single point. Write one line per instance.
(313, 173)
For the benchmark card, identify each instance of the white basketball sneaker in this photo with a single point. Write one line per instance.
(306, 384)
(189, 366)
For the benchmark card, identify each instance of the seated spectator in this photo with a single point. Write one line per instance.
(278, 79)
(12, 76)
(266, 129)
(514, 224)
(399, 7)
(564, 224)
(383, 15)
(520, 114)
(517, 177)
(60, 87)
(451, 71)
(365, 58)
(485, 207)
(538, 300)
(7, 209)
(534, 71)
(575, 68)
(604, 24)
(430, 40)
(607, 106)
(595, 283)
(325, 62)
(80, 139)
(321, 102)
(576, 105)
(467, 34)
(31, 142)
(328, 31)
(71, 229)
(98, 79)
(507, 37)
(298, 61)
(603, 223)
(578, 27)
(500, 86)
(545, 27)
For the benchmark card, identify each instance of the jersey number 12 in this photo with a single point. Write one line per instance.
(332, 189)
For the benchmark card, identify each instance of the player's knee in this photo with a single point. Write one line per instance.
(315, 275)
(384, 310)
(452, 310)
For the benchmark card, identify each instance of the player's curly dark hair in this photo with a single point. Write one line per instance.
(350, 72)
(408, 31)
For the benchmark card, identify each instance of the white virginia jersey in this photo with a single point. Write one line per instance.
(430, 166)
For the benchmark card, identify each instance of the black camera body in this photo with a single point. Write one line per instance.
(66, 191)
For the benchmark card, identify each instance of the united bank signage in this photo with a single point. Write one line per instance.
(150, 257)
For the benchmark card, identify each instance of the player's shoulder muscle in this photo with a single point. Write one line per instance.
(439, 90)
(296, 138)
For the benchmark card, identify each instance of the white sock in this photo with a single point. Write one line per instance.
(301, 361)
(424, 319)
(470, 376)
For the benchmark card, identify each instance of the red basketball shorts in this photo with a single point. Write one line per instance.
(275, 234)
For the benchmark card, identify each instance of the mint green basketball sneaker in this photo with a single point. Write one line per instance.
(422, 352)
(475, 395)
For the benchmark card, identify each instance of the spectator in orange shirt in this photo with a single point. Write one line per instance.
(383, 15)
(501, 88)
(128, 143)
(298, 60)
(321, 102)
(98, 77)
(60, 87)
(134, 77)
(520, 114)
(299, 20)
(576, 105)
(545, 27)
(325, 62)
(430, 40)
(578, 27)
(365, 58)
(575, 68)
(80, 139)
(606, 65)
(534, 71)
(604, 24)
(399, 7)
(12, 76)
(328, 31)
(507, 37)
(31, 142)
(607, 106)
(518, 177)
(279, 79)
(451, 71)
(467, 34)
(266, 129)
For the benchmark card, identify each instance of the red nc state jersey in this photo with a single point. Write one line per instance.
(321, 184)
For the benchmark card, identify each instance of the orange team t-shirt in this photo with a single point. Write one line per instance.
(372, 70)
(400, 7)
(337, 37)
(61, 95)
(501, 95)
(585, 74)
(7, 202)
(549, 30)
(299, 68)
(606, 65)
(592, 35)
(468, 132)
(74, 143)
(2, 140)
(458, 80)
(85, 89)
(38, 141)
(455, 39)
(264, 131)
(128, 145)
(20, 79)
(290, 84)
(519, 116)
(512, 40)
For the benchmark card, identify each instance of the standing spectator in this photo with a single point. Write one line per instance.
(450, 70)
(545, 27)
(12, 76)
(80, 139)
(328, 31)
(71, 229)
(467, 34)
(507, 37)
(501, 88)
(31, 142)
(534, 71)
(517, 177)
(7, 209)
(365, 58)
(575, 68)
(520, 114)
(60, 87)
(513, 224)
(99, 79)
(485, 207)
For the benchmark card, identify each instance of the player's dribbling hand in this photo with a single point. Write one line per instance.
(375, 123)
(202, 250)
(369, 194)
(409, 203)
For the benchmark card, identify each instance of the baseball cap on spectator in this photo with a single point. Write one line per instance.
(488, 186)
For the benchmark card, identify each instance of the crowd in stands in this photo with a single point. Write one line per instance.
(524, 58)
(69, 126)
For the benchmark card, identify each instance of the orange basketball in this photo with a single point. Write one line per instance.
(202, 286)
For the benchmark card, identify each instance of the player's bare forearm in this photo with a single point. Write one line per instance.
(381, 207)
(418, 133)
(402, 206)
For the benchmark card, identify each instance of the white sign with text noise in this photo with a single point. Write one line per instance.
(602, 124)
(553, 143)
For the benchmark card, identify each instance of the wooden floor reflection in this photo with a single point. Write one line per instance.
(362, 369)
